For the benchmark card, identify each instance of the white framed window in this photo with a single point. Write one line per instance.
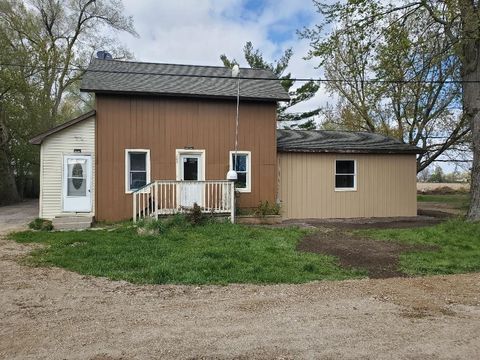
(243, 166)
(137, 169)
(345, 175)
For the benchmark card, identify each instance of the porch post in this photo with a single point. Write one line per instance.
(232, 202)
(155, 199)
(134, 207)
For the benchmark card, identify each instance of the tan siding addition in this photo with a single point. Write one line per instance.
(386, 186)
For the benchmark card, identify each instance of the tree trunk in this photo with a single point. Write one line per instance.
(471, 106)
(8, 189)
(474, 210)
(20, 181)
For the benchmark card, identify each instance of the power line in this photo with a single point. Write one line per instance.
(299, 79)
(453, 160)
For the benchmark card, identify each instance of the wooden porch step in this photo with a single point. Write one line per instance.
(72, 222)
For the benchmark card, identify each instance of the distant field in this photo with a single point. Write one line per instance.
(457, 199)
(426, 187)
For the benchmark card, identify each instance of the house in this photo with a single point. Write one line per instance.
(162, 137)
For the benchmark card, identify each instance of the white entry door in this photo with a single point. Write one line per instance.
(77, 183)
(191, 171)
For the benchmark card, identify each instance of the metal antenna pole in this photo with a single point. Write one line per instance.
(236, 125)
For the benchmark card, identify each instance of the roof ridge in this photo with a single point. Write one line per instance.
(116, 76)
(318, 140)
(332, 130)
(173, 64)
(349, 132)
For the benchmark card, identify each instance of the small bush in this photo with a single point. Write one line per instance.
(195, 216)
(265, 208)
(41, 224)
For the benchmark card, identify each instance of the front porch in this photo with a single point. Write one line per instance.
(166, 197)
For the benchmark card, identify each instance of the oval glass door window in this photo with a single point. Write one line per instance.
(77, 177)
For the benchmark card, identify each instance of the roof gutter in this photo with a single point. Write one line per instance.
(181, 95)
(352, 151)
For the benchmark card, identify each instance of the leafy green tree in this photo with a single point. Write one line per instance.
(255, 60)
(46, 44)
(437, 175)
(405, 103)
(14, 87)
(450, 36)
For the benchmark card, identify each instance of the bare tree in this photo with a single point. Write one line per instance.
(456, 22)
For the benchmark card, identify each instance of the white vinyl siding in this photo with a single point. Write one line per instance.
(54, 147)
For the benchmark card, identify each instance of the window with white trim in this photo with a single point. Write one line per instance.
(345, 175)
(243, 167)
(137, 169)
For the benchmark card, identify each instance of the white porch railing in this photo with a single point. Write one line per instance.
(164, 197)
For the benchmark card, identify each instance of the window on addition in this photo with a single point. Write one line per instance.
(345, 175)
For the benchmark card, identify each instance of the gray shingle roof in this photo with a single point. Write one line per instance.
(112, 76)
(340, 142)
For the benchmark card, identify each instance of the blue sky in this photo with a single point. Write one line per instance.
(179, 29)
(199, 31)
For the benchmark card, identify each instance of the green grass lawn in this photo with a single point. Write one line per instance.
(457, 242)
(459, 201)
(215, 253)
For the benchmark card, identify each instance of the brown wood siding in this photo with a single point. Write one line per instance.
(386, 186)
(163, 125)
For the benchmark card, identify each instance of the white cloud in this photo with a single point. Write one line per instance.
(199, 31)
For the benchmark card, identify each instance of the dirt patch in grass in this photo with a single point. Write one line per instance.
(379, 258)
(368, 223)
(441, 210)
(432, 210)
(443, 205)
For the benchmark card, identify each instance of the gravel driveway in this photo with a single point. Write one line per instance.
(50, 313)
(17, 216)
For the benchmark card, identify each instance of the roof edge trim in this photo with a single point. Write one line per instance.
(142, 93)
(38, 139)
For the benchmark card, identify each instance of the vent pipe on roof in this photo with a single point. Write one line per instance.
(104, 55)
(235, 70)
